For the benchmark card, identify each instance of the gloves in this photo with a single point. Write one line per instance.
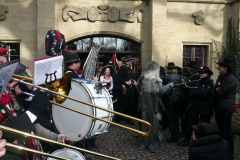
(39, 103)
(171, 84)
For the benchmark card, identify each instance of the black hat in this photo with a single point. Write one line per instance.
(179, 70)
(193, 64)
(226, 63)
(105, 67)
(205, 69)
(127, 58)
(21, 70)
(170, 65)
(72, 58)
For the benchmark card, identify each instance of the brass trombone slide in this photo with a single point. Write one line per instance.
(47, 140)
(18, 78)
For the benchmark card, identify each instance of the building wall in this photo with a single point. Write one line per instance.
(165, 28)
(182, 29)
(21, 25)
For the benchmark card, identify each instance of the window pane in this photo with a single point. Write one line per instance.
(187, 51)
(186, 61)
(110, 43)
(122, 45)
(199, 61)
(83, 44)
(15, 50)
(199, 51)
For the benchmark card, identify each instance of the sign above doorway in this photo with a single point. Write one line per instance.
(103, 13)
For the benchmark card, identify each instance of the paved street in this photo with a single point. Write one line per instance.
(121, 143)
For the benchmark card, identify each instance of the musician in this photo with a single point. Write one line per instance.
(172, 100)
(125, 77)
(192, 111)
(149, 88)
(223, 96)
(73, 63)
(24, 122)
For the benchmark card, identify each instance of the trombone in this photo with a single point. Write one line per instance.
(21, 79)
(47, 140)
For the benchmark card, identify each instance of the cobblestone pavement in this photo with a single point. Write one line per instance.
(121, 143)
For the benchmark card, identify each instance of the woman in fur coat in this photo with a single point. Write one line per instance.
(149, 88)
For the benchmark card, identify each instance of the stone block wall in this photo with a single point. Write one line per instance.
(183, 30)
(165, 28)
(134, 31)
(20, 25)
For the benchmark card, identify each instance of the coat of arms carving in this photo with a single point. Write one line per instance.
(3, 11)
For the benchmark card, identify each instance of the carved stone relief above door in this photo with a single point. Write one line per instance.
(103, 13)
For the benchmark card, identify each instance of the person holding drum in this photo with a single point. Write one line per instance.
(73, 63)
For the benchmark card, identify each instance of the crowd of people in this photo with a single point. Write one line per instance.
(163, 96)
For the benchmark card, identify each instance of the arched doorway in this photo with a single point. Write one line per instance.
(110, 45)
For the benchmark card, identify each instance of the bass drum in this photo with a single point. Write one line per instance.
(72, 154)
(77, 126)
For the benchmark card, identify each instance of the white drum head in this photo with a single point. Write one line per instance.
(76, 126)
(72, 154)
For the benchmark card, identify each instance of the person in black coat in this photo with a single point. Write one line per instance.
(172, 100)
(192, 111)
(208, 144)
(224, 95)
(201, 96)
(73, 63)
(125, 77)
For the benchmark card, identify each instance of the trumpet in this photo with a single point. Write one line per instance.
(63, 81)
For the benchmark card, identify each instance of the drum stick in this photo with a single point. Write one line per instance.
(63, 141)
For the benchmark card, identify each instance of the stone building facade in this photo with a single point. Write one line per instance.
(164, 29)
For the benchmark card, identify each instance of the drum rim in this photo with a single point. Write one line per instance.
(64, 151)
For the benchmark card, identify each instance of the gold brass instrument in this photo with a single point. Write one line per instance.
(187, 81)
(47, 140)
(62, 93)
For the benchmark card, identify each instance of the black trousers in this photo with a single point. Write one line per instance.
(172, 110)
(127, 103)
(192, 118)
(223, 119)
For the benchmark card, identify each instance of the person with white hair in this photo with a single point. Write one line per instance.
(150, 87)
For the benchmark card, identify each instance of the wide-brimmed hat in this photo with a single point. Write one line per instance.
(170, 65)
(105, 67)
(72, 58)
(205, 69)
(127, 58)
(193, 64)
(226, 63)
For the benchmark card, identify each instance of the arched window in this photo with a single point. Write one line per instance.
(110, 45)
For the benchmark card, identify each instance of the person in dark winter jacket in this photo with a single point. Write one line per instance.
(224, 95)
(208, 144)
(192, 111)
(201, 96)
(172, 100)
